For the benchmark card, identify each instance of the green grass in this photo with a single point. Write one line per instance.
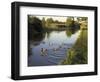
(78, 53)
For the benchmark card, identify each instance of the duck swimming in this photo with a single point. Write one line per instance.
(43, 51)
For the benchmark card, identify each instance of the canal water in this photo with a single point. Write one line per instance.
(51, 47)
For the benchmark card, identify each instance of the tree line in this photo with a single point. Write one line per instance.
(37, 26)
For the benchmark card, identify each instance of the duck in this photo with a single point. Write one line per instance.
(43, 51)
(55, 49)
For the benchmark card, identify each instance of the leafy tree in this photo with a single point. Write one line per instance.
(82, 19)
(37, 24)
(69, 21)
(56, 21)
(49, 21)
(43, 22)
(34, 26)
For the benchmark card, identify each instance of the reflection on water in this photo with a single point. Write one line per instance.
(50, 48)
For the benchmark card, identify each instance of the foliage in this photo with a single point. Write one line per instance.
(34, 26)
(78, 53)
(35, 23)
(49, 21)
(82, 18)
(69, 21)
(43, 23)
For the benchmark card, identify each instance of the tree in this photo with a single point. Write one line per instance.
(69, 21)
(78, 19)
(34, 24)
(56, 21)
(82, 19)
(43, 22)
(49, 21)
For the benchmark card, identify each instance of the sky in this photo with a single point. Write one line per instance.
(62, 19)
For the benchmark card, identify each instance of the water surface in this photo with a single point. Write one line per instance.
(54, 45)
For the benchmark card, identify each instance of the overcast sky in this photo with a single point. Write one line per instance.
(62, 19)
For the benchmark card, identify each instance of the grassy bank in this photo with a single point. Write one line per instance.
(78, 53)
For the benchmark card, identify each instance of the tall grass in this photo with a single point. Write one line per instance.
(78, 53)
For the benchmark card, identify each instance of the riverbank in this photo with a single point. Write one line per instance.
(78, 53)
